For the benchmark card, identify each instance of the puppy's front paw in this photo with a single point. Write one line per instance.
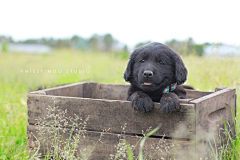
(169, 102)
(141, 102)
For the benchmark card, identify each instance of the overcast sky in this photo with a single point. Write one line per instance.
(129, 21)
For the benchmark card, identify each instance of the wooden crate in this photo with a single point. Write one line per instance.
(202, 113)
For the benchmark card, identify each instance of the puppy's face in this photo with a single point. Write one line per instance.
(155, 66)
(152, 69)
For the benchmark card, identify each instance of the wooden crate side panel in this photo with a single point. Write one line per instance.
(219, 88)
(113, 91)
(196, 94)
(210, 111)
(70, 90)
(103, 149)
(119, 92)
(105, 91)
(91, 90)
(101, 91)
(105, 114)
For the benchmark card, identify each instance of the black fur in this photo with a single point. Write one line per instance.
(160, 66)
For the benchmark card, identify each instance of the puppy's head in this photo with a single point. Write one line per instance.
(155, 66)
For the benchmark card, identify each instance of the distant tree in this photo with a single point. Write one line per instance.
(6, 39)
(108, 42)
(141, 44)
(190, 45)
(182, 47)
(50, 42)
(79, 42)
(94, 42)
(172, 43)
(10, 40)
(125, 48)
(75, 38)
(32, 41)
(44, 41)
(62, 43)
(199, 48)
(175, 45)
(206, 43)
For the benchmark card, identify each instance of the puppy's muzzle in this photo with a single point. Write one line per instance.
(147, 73)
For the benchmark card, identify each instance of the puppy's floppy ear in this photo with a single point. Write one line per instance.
(128, 75)
(128, 71)
(180, 69)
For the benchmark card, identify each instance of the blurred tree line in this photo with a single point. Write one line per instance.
(96, 42)
(186, 47)
(108, 43)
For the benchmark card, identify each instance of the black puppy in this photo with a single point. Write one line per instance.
(155, 72)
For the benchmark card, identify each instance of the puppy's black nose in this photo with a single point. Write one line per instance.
(147, 73)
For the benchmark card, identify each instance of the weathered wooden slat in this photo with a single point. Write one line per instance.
(102, 91)
(187, 108)
(71, 90)
(107, 146)
(113, 114)
(185, 100)
(105, 91)
(40, 92)
(118, 92)
(113, 91)
(91, 90)
(219, 88)
(196, 94)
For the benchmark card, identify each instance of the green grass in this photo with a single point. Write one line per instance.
(204, 74)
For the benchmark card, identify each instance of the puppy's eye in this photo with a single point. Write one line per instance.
(141, 61)
(161, 62)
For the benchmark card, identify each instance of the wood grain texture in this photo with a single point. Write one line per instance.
(70, 90)
(181, 149)
(114, 114)
(219, 88)
(196, 94)
(115, 92)
(210, 112)
(185, 101)
(103, 91)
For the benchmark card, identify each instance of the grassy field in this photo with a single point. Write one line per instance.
(204, 74)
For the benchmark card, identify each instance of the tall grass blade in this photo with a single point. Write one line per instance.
(144, 139)
(130, 152)
(233, 114)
